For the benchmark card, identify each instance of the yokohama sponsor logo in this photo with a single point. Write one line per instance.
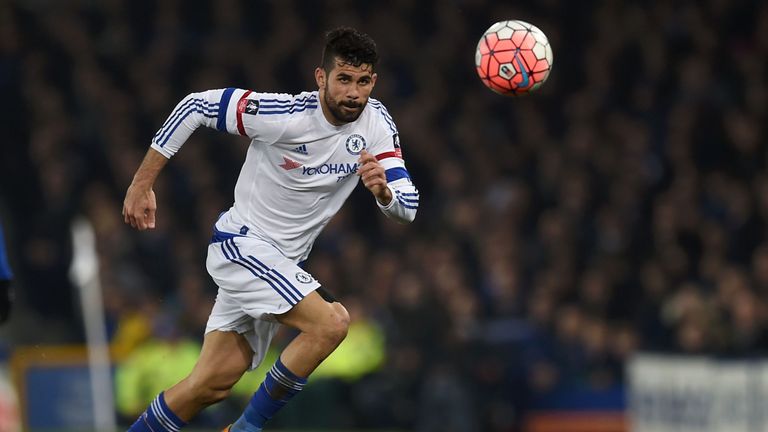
(335, 169)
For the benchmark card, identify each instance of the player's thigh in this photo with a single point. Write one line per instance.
(224, 358)
(314, 312)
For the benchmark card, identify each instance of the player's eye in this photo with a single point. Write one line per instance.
(344, 79)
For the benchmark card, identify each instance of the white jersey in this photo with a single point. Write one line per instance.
(299, 168)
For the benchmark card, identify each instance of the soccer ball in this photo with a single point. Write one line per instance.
(513, 58)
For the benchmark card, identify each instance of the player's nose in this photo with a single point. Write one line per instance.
(353, 93)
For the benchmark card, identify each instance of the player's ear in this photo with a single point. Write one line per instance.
(373, 79)
(320, 77)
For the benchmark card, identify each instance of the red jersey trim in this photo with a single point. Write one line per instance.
(241, 104)
(393, 154)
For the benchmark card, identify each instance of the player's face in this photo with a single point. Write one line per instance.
(345, 90)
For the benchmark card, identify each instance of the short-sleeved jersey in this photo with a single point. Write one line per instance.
(299, 168)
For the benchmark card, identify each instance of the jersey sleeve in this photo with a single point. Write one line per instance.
(229, 110)
(405, 195)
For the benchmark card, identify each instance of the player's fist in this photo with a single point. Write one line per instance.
(374, 178)
(139, 207)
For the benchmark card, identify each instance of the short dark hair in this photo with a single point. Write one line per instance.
(350, 46)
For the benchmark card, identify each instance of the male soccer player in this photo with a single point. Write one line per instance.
(305, 156)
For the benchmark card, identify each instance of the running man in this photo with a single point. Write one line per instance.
(305, 157)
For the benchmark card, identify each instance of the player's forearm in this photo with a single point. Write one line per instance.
(149, 169)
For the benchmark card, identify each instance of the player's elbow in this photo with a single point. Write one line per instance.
(411, 216)
(407, 217)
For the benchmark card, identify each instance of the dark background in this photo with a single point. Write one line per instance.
(621, 208)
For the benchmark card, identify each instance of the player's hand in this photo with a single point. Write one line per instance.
(374, 178)
(139, 207)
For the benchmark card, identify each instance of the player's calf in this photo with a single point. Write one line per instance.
(323, 327)
(188, 397)
(204, 391)
(279, 386)
(223, 360)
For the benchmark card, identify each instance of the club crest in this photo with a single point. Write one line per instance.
(303, 277)
(355, 144)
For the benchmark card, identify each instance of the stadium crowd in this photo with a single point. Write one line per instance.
(622, 208)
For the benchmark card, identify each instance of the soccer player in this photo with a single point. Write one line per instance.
(305, 157)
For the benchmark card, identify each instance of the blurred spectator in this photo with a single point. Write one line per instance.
(6, 276)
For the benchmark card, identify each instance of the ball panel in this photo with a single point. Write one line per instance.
(484, 72)
(501, 83)
(541, 65)
(528, 58)
(528, 41)
(540, 38)
(504, 33)
(548, 54)
(516, 25)
(507, 70)
(504, 45)
(496, 88)
(491, 39)
(493, 67)
(540, 77)
(518, 36)
(504, 56)
(483, 47)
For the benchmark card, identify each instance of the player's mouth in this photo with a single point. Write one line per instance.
(351, 107)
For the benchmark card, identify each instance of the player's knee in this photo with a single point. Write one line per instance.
(337, 326)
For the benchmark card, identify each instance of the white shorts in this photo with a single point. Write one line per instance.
(256, 282)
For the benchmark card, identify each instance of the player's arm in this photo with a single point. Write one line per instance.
(195, 110)
(221, 109)
(390, 183)
(216, 109)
